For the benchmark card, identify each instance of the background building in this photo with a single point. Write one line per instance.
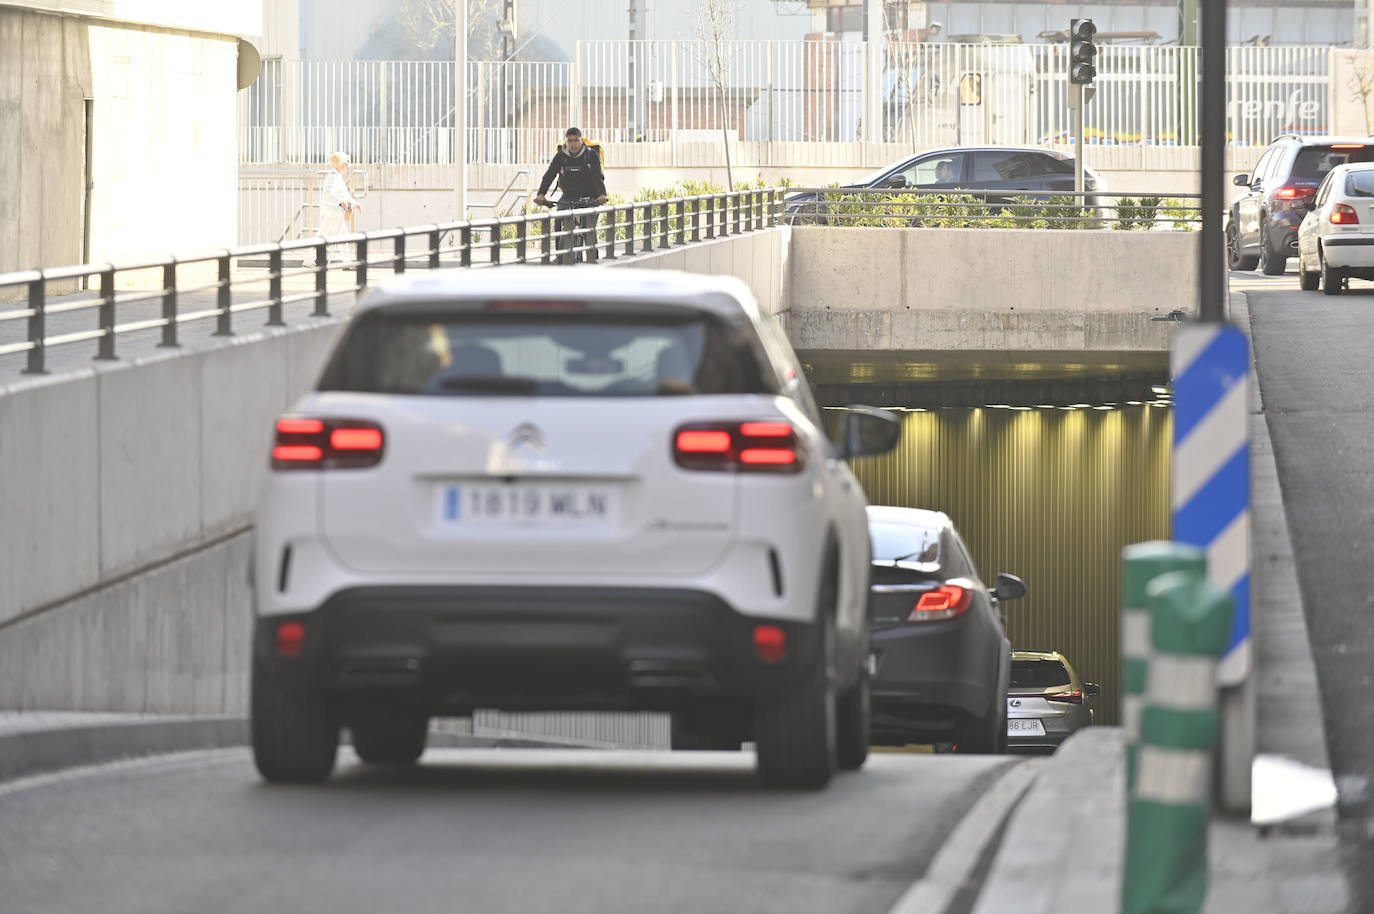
(118, 116)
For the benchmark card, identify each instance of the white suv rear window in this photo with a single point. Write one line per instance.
(545, 353)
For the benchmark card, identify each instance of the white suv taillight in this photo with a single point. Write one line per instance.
(317, 444)
(747, 447)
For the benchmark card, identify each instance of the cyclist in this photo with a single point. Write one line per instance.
(578, 170)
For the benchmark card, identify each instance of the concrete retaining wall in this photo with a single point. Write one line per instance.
(988, 289)
(758, 258)
(112, 469)
(127, 500)
(163, 168)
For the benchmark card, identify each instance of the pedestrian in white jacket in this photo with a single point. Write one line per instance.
(337, 204)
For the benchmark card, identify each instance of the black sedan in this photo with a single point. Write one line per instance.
(938, 636)
(1003, 171)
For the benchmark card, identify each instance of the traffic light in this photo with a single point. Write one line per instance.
(1082, 52)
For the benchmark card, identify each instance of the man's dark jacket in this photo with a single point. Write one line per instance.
(578, 176)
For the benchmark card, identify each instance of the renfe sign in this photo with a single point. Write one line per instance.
(1291, 111)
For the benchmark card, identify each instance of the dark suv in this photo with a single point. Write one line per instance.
(1008, 169)
(1263, 228)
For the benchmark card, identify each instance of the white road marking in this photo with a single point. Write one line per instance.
(956, 860)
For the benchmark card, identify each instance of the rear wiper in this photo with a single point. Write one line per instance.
(489, 382)
(903, 558)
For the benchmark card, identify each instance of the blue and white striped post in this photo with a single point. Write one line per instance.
(1211, 500)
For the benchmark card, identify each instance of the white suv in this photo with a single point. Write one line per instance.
(560, 489)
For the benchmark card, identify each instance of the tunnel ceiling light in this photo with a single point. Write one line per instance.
(1108, 408)
(1158, 389)
(1022, 409)
(1044, 406)
(1079, 405)
(1134, 403)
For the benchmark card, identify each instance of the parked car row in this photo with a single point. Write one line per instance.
(1309, 198)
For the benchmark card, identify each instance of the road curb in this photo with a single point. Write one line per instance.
(952, 868)
(53, 746)
(56, 746)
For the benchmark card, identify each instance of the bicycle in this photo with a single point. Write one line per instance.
(576, 233)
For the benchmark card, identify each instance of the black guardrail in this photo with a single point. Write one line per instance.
(599, 233)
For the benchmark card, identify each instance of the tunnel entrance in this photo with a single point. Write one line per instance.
(1049, 492)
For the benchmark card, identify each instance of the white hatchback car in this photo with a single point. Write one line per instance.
(1336, 239)
(563, 488)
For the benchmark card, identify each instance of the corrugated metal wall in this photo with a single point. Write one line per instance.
(1050, 495)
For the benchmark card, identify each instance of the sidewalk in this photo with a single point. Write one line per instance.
(1063, 849)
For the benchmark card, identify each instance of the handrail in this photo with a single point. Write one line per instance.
(603, 232)
(510, 185)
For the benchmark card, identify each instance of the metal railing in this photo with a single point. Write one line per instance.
(522, 199)
(785, 103)
(609, 232)
(1056, 209)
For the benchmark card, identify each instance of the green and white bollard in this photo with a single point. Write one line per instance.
(1170, 803)
(1141, 563)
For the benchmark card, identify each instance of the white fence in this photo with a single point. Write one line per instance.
(671, 102)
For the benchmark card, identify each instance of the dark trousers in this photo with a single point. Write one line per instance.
(580, 231)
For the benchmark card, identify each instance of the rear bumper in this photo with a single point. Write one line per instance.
(934, 670)
(1349, 250)
(454, 649)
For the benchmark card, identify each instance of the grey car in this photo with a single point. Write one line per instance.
(1046, 701)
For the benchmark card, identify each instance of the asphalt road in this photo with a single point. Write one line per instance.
(478, 830)
(1316, 376)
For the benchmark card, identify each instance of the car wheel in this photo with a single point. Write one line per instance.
(795, 735)
(697, 733)
(1271, 263)
(853, 719)
(1307, 280)
(392, 739)
(1332, 278)
(295, 736)
(1234, 258)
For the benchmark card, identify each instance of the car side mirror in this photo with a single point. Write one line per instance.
(1009, 587)
(867, 432)
(1241, 180)
(1092, 689)
(896, 181)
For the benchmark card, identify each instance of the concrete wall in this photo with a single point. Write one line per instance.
(45, 74)
(758, 258)
(164, 163)
(117, 468)
(128, 498)
(988, 289)
(127, 502)
(232, 18)
(172, 639)
(166, 160)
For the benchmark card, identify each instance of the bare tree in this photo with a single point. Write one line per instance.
(715, 27)
(430, 23)
(1361, 84)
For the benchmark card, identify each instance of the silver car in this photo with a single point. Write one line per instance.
(1046, 701)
